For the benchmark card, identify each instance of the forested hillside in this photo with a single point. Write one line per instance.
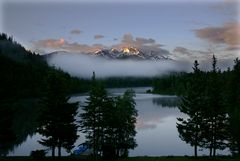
(24, 73)
(23, 83)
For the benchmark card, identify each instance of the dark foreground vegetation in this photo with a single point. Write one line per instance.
(211, 99)
(23, 84)
(168, 158)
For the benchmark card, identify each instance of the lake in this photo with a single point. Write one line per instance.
(157, 134)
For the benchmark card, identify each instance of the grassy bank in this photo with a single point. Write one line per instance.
(127, 159)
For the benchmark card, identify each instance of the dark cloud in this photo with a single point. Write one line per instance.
(182, 50)
(233, 48)
(188, 54)
(138, 42)
(228, 8)
(145, 41)
(228, 34)
(98, 36)
(75, 31)
(225, 59)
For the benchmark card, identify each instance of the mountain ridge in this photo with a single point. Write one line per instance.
(125, 53)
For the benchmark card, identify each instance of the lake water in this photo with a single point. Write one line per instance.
(157, 134)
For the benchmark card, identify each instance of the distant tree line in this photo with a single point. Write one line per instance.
(212, 105)
(173, 83)
(117, 82)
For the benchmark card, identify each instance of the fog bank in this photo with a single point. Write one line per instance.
(82, 66)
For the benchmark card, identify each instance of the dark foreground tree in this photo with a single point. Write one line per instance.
(126, 119)
(119, 126)
(57, 119)
(192, 104)
(109, 122)
(207, 123)
(216, 119)
(7, 136)
(92, 117)
(233, 103)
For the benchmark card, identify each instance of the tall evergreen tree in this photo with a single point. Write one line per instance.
(192, 104)
(233, 103)
(92, 118)
(119, 125)
(126, 119)
(216, 119)
(57, 119)
(109, 122)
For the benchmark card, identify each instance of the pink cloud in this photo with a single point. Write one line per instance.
(61, 44)
(145, 44)
(51, 43)
(228, 34)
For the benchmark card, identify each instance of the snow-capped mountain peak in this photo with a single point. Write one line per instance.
(130, 50)
(130, 53)
(125, 53)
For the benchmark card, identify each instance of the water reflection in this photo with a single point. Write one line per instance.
(157, 134)
(156, 127)
(167, 101)
(24, 123)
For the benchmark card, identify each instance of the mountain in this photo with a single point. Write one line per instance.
(131, 53)
(126, 53)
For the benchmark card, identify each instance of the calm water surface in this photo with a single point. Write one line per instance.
(157, 134)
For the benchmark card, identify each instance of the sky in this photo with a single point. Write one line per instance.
(188, 30)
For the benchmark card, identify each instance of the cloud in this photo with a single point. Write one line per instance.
(233, 48)
(188, 54)
(98, 36)
(75, 31)
(61, 44)
(144, 44)
(228, 34)
(228, 8)
(83, 65)
(50, 43)
(139, 42)
(147, 45)
(205, 57)
(75, 47)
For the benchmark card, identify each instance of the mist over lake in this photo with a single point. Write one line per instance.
(81, 65)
